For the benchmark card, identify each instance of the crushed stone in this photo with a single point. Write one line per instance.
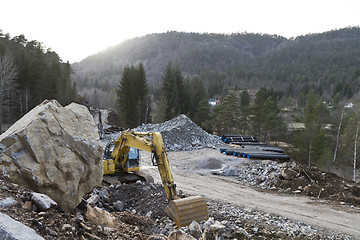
(182, 134)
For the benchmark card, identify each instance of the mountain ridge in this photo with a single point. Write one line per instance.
(246, 59)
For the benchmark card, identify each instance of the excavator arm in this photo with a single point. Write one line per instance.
(182, 210)
(149, 142)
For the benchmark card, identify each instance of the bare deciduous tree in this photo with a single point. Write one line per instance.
(355, 149)
(24, 101)
(8, 73)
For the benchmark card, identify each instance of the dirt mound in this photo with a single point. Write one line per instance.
(146, 199)
(210, 163)
(180, 133)
(323, 185)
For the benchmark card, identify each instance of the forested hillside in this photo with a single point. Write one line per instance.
(29, 74)
(242, 60)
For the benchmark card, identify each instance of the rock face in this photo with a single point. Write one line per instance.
(54, 150)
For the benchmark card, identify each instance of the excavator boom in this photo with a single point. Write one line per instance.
(182, 210)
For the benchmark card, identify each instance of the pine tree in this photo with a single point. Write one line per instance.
(199, 94)
(312, 141)
(143, 93)
(230, 112)
(202, 114)
(266, 113)
(244, 112)
(126, 99)
(133, 97)
(169, 92)
(174, 92)
(273, 121)
(258, 113)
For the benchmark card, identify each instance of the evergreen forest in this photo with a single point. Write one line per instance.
(29, 74)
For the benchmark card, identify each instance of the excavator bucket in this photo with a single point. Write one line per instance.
(185, 210)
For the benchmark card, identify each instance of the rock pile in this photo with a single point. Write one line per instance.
(290, 177)
(182, 134)
(265, 174)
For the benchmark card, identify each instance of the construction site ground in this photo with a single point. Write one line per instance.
(334, 208)
(281, 213)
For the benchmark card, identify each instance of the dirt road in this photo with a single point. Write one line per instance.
(226, 189)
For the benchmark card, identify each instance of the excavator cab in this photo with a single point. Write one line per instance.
(130, 160)
(132, 164)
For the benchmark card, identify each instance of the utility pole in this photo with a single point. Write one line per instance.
(338, 135)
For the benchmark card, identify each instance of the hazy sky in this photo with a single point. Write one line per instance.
(76, 29)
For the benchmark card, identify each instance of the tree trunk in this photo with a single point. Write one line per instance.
(355, 149)
(309, 156)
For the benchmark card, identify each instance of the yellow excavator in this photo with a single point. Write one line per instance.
(124, 158)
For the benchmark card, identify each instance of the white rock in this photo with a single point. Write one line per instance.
(14, 230)
(195, 229)
(7, 202)
(42, 201)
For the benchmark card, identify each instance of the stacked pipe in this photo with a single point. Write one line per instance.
(252, 149)
(238, 139)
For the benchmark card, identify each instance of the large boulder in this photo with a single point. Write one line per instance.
(54, 150)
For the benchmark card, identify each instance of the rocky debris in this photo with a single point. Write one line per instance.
(53, 150)
(263, 174)
(226, 222)
(288, 173)
(294, 178)
(53, 223)
(243, 223)
(147, 199)
(234, 222)
(195, 229)
(100, 217)
(180, 235)
(182, 134)
(225, 170)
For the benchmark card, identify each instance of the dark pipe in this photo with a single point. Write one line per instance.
(269, 156)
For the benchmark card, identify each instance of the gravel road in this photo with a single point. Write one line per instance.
(192, 179)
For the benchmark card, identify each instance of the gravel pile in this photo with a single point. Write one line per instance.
(293, 178)
(182, 134)
(255, 224)
(264, 175)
